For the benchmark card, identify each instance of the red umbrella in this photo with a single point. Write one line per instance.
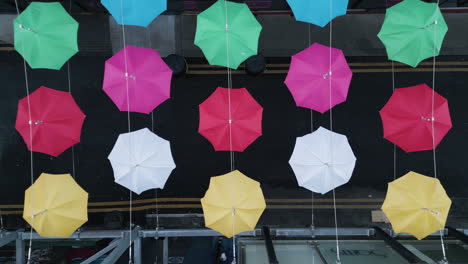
(245, 119)
(407, 118)
(55, 122)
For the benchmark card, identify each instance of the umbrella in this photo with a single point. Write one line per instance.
(317, 12)
(135, 12)
(416, 204)
(141, 160)
(322, 160)
(55, 205)
(56, 121)
(309, 76)
(407, 118)
(244, 118)
(147, 78)
(412, 30)
(46, 35)
(233, 204)
(227, 44)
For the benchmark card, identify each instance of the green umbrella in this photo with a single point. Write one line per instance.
(410, 30)
(45, 35)
(241, 31)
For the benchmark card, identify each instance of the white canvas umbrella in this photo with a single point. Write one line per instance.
(322, 160)
(141, 160)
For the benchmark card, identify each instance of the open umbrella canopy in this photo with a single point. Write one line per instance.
(46, 35)
(322, 160)
(233, 204)
(140, 75)
(227, 33)
(318, 12)
(408, 121)
(412, 31)
(55, 205)
(230, 121)
(55, 122)
(141, 160)
(417, 205)
(310, 79)
(135, 12)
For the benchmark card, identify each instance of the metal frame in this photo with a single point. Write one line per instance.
(269, 246)
(121, 241)
(397, 246)
(460, 235)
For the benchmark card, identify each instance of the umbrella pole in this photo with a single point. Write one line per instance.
(444, 260)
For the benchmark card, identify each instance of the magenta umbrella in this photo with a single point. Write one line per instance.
(309, 77)
(140, 72)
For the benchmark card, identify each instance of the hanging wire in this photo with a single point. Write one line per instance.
(394, 146)
(129, 130)
(444, 260)
(393, 90)
(330, 75)
(311, 130)
(231, 152)
(31, 157)
(155, 190)
(312, 220)
(70, 91)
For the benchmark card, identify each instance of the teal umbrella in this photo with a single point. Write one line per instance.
(227, 44)
(46, 35)
(410, 30)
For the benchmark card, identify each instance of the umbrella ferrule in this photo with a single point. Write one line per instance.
(431, 119)
(127, 75)
(41, 212)
(325, 75)
(433, 23)
(431, 211)
(230, 121)
(233, 211)
(27, 28)
(38, 122)
(227, 27)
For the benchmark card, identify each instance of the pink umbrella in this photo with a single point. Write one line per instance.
(146, 82)
(309, 77)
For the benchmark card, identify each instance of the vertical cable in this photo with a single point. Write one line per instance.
(433, 121)
(70, 91)
(393, 90)
(129, 128)
(394, 146)
(330, 75)
(311, 130)
(312, 220)
(231, 153)
(31, 157)
(152, 130)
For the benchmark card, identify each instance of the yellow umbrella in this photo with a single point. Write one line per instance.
(233, 203)
(417, 205)
(55, 205)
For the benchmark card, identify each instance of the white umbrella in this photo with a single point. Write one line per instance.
(322, 160)
(141, 160)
